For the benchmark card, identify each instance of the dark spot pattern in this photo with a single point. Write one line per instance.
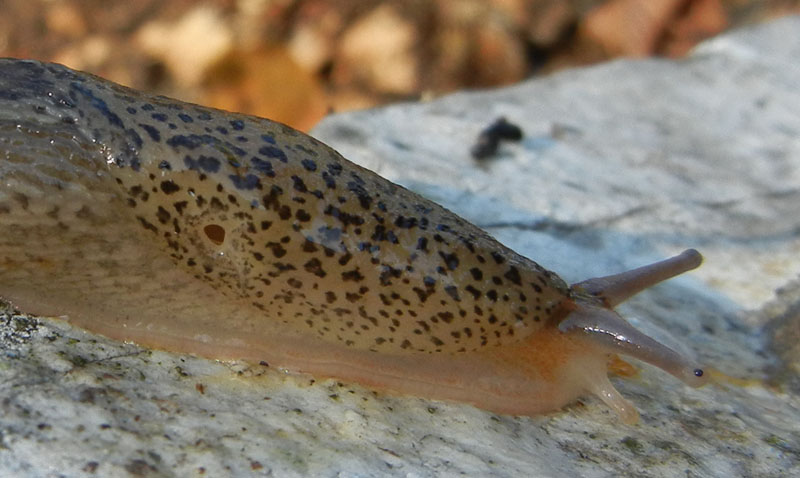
(264, 213)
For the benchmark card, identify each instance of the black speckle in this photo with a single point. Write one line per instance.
(450, 260)
(152, 131)
(159, 117)
(180, 206)
(274, 152)
(314, 266)
(162, 215)
(388, 273)
(169, 187)
(296, 283)
(330, 297)
(345, 259)
(270, 199)
(247, 182)
(513, 275)
(335, 169)
(216, 205)
(135, 164)
(277, 250)
(138, 191)
(302, 215)
(446, 317)
(476, 273)
(452, 291)
(134, 136)
(299, 185)
(345, 218)
(185, 118)
(263, 166)
(352, 275)
(356, 187)
(476, 294)
(309, 246)
(405, 222)
(193, 141)
(204, 163)
(309, 164)
(147, 225)
(98, 104)
(238, 125)
(497, 257)
(381, 234)
(329, 181)
(165, 165)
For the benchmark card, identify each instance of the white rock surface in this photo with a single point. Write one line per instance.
(621, 164)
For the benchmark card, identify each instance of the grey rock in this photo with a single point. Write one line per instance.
(620, 164)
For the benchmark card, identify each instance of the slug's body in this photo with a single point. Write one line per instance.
(186, 228)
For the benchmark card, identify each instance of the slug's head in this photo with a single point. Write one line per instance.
(593, 319)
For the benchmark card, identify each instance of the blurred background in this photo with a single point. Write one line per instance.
(297, 60)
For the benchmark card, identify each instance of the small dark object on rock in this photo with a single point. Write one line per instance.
(489, 139)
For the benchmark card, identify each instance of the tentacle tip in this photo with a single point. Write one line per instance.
(627, 412)
(602, 388)
(692, 258)
(630, 416)
(694, 377)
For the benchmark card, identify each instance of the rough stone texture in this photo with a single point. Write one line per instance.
(620, 165)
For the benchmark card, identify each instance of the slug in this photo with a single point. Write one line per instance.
(189, 229)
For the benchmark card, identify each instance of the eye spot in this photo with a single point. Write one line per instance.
(215, 233)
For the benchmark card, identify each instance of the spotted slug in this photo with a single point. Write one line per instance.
(189, 229)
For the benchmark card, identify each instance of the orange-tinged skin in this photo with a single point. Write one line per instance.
(195, 230)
